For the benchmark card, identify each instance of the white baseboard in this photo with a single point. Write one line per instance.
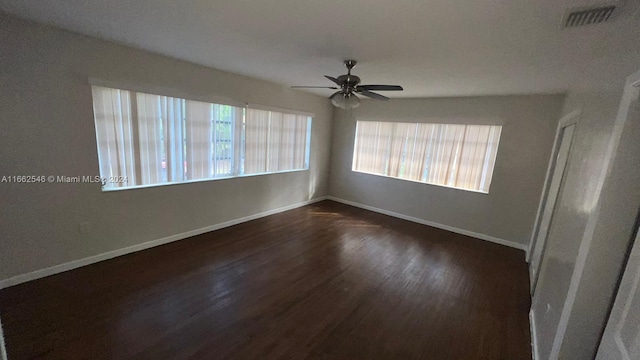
(534, 337)
(435, 225)
(146, 245)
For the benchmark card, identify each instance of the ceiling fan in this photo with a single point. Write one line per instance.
(349, 86)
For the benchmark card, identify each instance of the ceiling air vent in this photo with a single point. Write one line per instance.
(589, 16)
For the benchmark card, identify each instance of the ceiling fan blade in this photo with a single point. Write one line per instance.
(381, 87)
(333, 79)
(315, 87)
(334, 94)
(371, 94)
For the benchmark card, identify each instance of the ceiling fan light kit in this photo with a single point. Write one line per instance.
(345, 101)
(349, 86)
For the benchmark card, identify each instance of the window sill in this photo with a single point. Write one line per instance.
(115, 189)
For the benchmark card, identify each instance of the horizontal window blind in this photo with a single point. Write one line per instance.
(151, 139)
(460, 156)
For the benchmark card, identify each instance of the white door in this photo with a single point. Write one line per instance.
(621, 340)
(565, 137)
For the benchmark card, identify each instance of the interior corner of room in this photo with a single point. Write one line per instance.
(516, 168)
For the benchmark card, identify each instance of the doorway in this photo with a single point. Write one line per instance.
(553, 184)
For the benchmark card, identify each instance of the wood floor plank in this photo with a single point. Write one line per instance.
(325, 281)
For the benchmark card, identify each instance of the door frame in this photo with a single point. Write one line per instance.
(3, 349)
(625, 272)
(567, 120)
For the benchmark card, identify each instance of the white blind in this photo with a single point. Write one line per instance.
(150, 141)
(275, 141)
(174, 138)
(461, 156)
(198, 139)
(153, 139)
(114, 134)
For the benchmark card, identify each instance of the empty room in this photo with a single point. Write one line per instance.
(320, 179)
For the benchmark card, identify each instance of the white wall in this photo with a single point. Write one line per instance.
(576, 202)
(610, 232)
(591, 228)
(46, 128)
(507, 212)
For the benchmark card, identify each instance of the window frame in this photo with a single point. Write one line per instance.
(416, 121)
(237, 167)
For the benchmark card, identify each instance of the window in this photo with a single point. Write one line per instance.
(275, 141)
(146, 139)
(459, 156)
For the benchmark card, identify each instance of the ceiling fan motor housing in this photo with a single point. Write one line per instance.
(349, 82)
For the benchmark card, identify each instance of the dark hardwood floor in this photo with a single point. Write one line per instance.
(326, 281)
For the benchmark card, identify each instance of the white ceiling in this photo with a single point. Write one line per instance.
(431, 47)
